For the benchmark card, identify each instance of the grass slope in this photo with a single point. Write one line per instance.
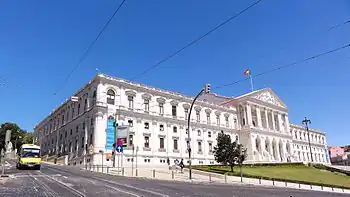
(297, 173)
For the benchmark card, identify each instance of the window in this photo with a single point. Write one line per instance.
(186, 113)
(91, 122)
(62, 119)
(161, 127)
(175, 144)
(82, 142)
(85, 104)
(299, 135)
(65, 135)
(130, 123)
(91, 138)
(199, 132)
(78, 108)
(186, 131)
(146, 125)
(77, 129)
(217, 119)
(226, 119)
(175, 129)
(71, 132)
(210, 145)
(208, 118)
(110, 97)
(161, 143)
(198, 115)
(296, 135)
(199, 146)
(173, 110)
(146, 142)
(209, 133)
(131, 140)
(61, 136)
(146, 102)
(161, 108)
(83, 125)
(131, 102)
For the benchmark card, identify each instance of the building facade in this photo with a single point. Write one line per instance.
(156, 124)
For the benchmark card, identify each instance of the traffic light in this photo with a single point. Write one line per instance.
(207, 88)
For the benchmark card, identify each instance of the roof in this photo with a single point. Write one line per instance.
(214, 98)
(30, 146)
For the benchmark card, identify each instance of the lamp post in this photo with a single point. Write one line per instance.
(206, 90)
(306, 122)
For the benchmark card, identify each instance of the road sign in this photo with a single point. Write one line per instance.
(119, 149)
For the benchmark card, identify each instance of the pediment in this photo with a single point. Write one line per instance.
(268, 96)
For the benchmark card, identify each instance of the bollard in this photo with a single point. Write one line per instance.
(136, 172)
(299, 185)
(332, 189)
(225, 178)
(260, 181)
(154, 173)
(321, 187)
(172, 174)
(102, 168)
(122, 171)
(342, 189)
(273, 181)
(209, 177)
(285, 183)
(97, 168)
(310, 186)
(107, 169)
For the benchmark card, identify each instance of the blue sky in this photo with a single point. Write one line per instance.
(40, 42)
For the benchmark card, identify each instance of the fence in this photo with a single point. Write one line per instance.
(204, 177)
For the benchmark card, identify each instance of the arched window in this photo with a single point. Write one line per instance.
(110, 97)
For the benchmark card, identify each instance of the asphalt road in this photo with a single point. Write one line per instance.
(67, 181)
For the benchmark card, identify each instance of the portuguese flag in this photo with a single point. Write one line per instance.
(247, 72)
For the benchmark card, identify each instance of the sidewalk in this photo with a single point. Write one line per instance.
(207, 178)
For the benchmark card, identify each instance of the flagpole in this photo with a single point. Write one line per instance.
(251, 82)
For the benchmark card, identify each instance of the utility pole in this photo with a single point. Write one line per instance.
(306, 122)
(206, 90)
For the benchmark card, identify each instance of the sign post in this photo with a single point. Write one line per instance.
(119, 150)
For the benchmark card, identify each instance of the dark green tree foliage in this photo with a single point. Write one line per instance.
(228, 152)
(18, 135)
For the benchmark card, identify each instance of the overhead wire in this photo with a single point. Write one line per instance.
(196, 40)
(338, 25)
(286, 66)
(89, 48)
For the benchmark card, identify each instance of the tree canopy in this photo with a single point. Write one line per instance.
(228, 152)
(18, 135)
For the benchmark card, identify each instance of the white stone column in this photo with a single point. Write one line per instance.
(280, 123)
(249, 115)
(267, 119)
(273, 121)
(99, 135)
(286, 123)
(262, 145)
(284, 150)
(258, 116)
(253, 145)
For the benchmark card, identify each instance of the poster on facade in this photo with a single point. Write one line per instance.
(110, 135)
(122, 136)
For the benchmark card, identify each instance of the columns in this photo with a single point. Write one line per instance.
(258, 116)
(99, 135)
(286, 123)
(280, 127)
(249, 115)
(273, 121)
(267, 119)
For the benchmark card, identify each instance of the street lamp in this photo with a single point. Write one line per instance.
(205, 90)
(306, 122)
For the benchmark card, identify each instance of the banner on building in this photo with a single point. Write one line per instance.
(122, 136)
(110, 135)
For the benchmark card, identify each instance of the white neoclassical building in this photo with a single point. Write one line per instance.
(156, 122)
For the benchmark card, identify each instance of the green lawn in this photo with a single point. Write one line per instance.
(293, 173)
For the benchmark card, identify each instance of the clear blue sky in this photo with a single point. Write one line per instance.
(40, 42)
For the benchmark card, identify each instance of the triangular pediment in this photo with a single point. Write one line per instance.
(268, 96)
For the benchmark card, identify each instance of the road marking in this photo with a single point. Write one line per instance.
(125, 185)
(133, 187)
(119, 190)
(65, 185)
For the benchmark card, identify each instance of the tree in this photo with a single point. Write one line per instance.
(228, 152)
(242, 156)
(18, 135)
